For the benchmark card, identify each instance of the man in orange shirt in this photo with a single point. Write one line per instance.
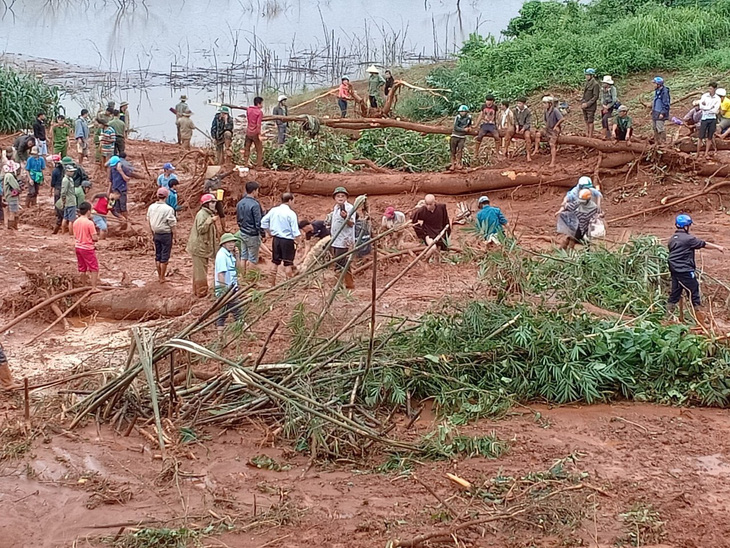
(85, 236)
(254, 117)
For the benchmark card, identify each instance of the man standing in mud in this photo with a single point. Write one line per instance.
(39, 132)
(281, 109)
(254, 118)
(181, 109)
(81, 134)
(119, 131)
(589, 102)
(222, 133)
(202, 243)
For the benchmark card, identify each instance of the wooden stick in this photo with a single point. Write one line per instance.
(672, 204)
(58, 313)
(373, 298)
(63, 316)
(318, 97)
(26, 398)
(144, 160)
(45, 303)
(438, 498)
(262, 353)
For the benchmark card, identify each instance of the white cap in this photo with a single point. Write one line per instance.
(282, 98)
(721, 92)
(548, 99)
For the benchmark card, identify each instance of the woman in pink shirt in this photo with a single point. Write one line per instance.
(254, 116)
(344, 95)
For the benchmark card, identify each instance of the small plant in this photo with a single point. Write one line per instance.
(644, 525)
(444, 444)
(267, 463)
(159, 538)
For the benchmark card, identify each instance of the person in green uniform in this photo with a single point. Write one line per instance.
(375, 82)
(120, 131)
(61, 130)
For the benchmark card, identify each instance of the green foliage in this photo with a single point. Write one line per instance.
(328, 152)
(444, 444)
(633, 279)
(22, 97)
(644, 525)
(159, 538)
(405, 150)
(553, 42)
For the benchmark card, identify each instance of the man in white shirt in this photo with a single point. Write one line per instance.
(161, 219)
(226, 275)
(282, 223)
(343, 232)
(710, 107)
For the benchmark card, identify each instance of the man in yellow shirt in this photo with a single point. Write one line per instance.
(724, 124)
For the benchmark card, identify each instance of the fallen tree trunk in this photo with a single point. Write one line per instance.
(139, 303)
(481, 180)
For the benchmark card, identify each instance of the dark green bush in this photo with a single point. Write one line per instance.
(22, 97)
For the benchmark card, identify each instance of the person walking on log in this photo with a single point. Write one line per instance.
(281, 109)
(202, 243)
(343, 232)
(553, 119)
(660, 110)
(221, 130)
(281, 222)
(462, 123)
(254, 118)
(523, 124)
(161, 220)
(589, 102)
(682, 267)
(710, 106)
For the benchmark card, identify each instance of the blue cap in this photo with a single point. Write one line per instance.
(169, 167)
(463, 108)
(590, 71)
(683, 220)
(114, 160)
(658, 80)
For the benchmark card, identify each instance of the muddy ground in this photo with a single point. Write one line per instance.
(93, 482)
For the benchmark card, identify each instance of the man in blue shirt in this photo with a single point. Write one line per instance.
(248, 216)
(660, 110)
(282, 223)
(34, 166)
(490, 221)
(119, 175)
(226, 276)
(172, 197)
(81, 134)
(167, 175)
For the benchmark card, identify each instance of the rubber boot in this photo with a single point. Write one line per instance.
(6, 378)
(349, 280)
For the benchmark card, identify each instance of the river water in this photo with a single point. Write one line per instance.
(148, 52)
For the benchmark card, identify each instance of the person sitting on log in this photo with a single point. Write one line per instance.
(487, 124)
(622, 130)
(692, 119)
(724, 117)
(553, 120)
(490, 221)
(506, 125)
(462, 123)
(523, 124)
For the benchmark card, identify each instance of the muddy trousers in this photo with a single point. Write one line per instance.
(200, 276)
(681, 282)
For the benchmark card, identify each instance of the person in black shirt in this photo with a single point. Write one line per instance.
(39, 132)
(682, 246)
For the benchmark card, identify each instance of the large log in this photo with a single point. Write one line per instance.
(481, 180)
(139, 303)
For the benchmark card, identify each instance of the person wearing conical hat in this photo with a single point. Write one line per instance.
(375, 82)
(181, 109)
(609, 100)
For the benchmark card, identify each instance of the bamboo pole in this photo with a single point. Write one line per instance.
(62, 316)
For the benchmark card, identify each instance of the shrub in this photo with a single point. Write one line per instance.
(22, 97)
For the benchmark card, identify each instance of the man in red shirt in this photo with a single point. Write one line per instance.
(255, 116)
(85, 236)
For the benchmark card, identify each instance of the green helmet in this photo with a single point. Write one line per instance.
(224, 109)
(340, 189)
(67, 160)
(463, 108)
(228, 237)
